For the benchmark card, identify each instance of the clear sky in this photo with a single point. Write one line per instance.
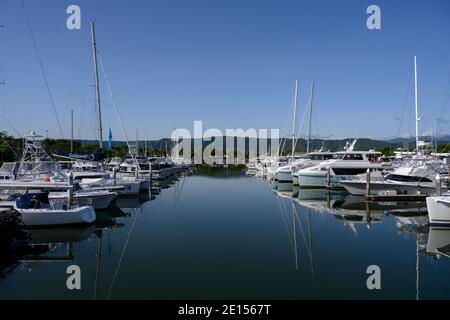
(230, 63)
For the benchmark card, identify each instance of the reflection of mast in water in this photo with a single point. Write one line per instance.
(417, 266)
(285, 217)
(177, 190)
(294, 213)
(116, 272)
(99, 234)
(310, 240)
(295, 222)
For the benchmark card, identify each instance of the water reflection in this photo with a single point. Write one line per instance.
(281, 241)
(67, 245)
(294, 226)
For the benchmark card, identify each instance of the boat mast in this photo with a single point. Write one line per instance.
(294, 119)
(71, 130)
(310, 116)
(97, 88)
(416, 103)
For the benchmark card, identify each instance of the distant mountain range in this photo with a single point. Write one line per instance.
(315, 144)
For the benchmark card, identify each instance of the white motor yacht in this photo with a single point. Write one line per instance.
(344, 163)
(287, 173)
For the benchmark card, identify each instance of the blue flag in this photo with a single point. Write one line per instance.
(109, 139)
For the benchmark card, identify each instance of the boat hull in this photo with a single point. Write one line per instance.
(359, 188)
(284, 176)
(98, 201)
(438, 210)
(49, 217)
(312, 181)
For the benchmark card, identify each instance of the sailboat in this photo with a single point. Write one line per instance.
(416, 175)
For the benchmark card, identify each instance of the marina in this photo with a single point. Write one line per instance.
(197, 150)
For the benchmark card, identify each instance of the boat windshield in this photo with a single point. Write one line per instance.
(38, 168)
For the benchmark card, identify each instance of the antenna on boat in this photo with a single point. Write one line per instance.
(97, 88)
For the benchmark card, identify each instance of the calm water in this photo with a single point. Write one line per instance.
(237, 237)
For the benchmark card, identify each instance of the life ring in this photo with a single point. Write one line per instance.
(46, 179)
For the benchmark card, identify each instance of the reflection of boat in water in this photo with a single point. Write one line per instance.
(285, 186)
(439, 241)
(132, 202)
(319, 200)
(354, 210)
(60, 235)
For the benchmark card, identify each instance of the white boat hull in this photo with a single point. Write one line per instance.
(98, 200)
(439, 210)
(312, 181)
(49, 217)
(359, 188)
(284, 176)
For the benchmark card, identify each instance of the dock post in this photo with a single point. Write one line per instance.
(368, 182)
(328, 177)
(115, 175)
(438, 185)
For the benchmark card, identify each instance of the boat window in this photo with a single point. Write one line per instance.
(401, 178)
(337, 156)
(327, 156)
(353, 156)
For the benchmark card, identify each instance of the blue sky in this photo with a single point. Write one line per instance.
(230, 63)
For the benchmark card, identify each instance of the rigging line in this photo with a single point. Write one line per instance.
(10, 124)
(123, 253)
(286, 127)
(301, 229)
(83, 105)
(30, 29)
(405, 102)
(444, 104)
(283, 215)
(115, 108)
(301, 125)
(9, 146)
(445, 98)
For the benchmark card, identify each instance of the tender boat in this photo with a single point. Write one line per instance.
(36, 210)
(99, 199)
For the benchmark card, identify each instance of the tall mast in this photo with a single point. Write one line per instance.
(416, 103)
(71, 130)
(294, 119)
(310, 116)
(97, 88)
